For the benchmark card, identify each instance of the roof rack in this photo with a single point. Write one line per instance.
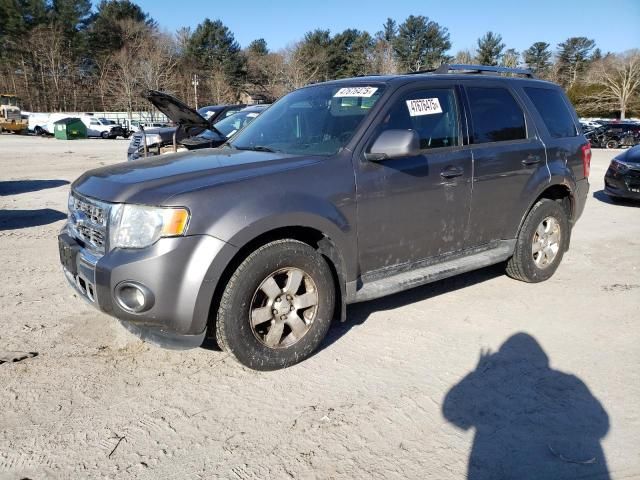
(478, 69)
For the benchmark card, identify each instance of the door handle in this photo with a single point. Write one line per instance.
(531, 160)
(451, 172)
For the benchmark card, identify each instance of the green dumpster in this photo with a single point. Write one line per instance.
(69, 129)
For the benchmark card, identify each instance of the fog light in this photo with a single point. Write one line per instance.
(133, 297)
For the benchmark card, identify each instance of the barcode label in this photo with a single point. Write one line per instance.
(423, 106)
(356, 92)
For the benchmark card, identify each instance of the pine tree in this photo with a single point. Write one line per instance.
(573, 57)
(349, 53)
(490, 48)
(420, 44)
(538, 58)
(214, 49)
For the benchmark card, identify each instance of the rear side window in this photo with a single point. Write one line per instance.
(431, 113)
(495, 114)
(553, 110)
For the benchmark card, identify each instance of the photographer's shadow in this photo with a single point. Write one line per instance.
(530, 421)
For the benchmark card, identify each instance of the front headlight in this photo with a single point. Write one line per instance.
(619, 166)
(139, 226)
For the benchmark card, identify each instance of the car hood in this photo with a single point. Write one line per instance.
(154, 181)
(631, 155)
(176, 110)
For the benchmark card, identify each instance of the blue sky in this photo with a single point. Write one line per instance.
(519, 22)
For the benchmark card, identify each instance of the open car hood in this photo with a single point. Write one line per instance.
(175, 110)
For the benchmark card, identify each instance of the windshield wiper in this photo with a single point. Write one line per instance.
(257, 148)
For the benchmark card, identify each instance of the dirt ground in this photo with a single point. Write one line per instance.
(406, 388)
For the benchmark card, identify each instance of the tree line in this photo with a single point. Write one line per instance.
(65, 55)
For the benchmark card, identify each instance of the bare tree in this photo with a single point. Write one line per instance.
(464, 57)
(52, 61)
(104, 70)
(619, 79)
(383, 59)
(158, 61)
(125, 82)
(221, 89)
(296, 71)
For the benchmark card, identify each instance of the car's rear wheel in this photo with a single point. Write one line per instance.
(611, 144)
(541, 243)
(277, 307)
(104, 135)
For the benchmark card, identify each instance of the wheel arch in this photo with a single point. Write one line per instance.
(559, 192)
(312, 236)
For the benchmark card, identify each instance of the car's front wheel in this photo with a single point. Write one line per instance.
(541, 243)
(277, 307)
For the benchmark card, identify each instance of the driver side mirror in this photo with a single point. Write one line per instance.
(394, 144)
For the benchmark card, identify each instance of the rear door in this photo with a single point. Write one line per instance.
(508, 160)
(558, 128)
(414, 207)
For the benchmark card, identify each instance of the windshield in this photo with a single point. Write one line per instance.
(317, 120)
(208, 112)
(9, 100)
(230, 125)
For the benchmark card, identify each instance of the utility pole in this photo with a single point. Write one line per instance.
(194, 82)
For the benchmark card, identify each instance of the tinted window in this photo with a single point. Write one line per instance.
(432, 114)
(553, 110)
(315, 120)
(496, 115)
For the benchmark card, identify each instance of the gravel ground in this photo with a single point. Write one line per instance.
(477, 375)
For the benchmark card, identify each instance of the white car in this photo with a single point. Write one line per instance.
(97, 127)
(38, 123)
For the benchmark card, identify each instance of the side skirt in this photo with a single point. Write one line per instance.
(403, 277)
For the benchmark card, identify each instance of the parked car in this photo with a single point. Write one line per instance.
(622, 180)
(37, 123)
(590, 124)
(340, 192)
(188, 121)
(614, 135)
(224, 129)
(99, 127)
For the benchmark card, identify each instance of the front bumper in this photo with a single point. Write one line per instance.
(622, 185)
(181, 274)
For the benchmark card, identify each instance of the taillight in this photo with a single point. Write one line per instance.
(586, 159)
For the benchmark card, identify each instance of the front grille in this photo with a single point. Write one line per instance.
(136, 140)
(91, 236)
(88, 222)
(633, 174)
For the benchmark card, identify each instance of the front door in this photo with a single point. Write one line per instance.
(417, 207)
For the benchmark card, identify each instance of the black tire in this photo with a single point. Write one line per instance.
(522, 265)
(104, 135)
(39, 131)
(611, 144)
(234, 332)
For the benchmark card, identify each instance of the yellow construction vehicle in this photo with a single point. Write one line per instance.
(10, 115)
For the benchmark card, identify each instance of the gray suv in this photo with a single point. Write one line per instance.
(341, 192)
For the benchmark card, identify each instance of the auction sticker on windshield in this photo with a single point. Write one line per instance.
(356, 92)
(423, 106)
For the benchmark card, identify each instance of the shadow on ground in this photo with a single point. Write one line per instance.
(16, 219)
(623, 202)
(358, 313)
(530, 421)
(15, 187)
